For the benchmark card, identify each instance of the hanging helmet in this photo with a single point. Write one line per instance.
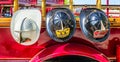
(25, 26)
(60, 24)
(94, 24)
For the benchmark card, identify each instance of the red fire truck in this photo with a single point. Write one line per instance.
(27, 36)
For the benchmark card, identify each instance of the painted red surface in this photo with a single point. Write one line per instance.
(69, 49)
(118, 53)
(11, 49)
(5, 1)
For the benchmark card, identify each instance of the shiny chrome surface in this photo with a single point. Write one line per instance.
(28, 25)
(60, 19)
(92, 21)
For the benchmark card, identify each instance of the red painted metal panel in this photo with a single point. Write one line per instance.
(118, 53)
(69, 49)
(11, 49)
(5, 1)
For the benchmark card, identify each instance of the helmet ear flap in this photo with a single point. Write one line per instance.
(94, 24)
(60, 24)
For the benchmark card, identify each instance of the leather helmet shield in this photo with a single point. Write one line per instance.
(94, 24)
(60, 24)
(26, 25)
